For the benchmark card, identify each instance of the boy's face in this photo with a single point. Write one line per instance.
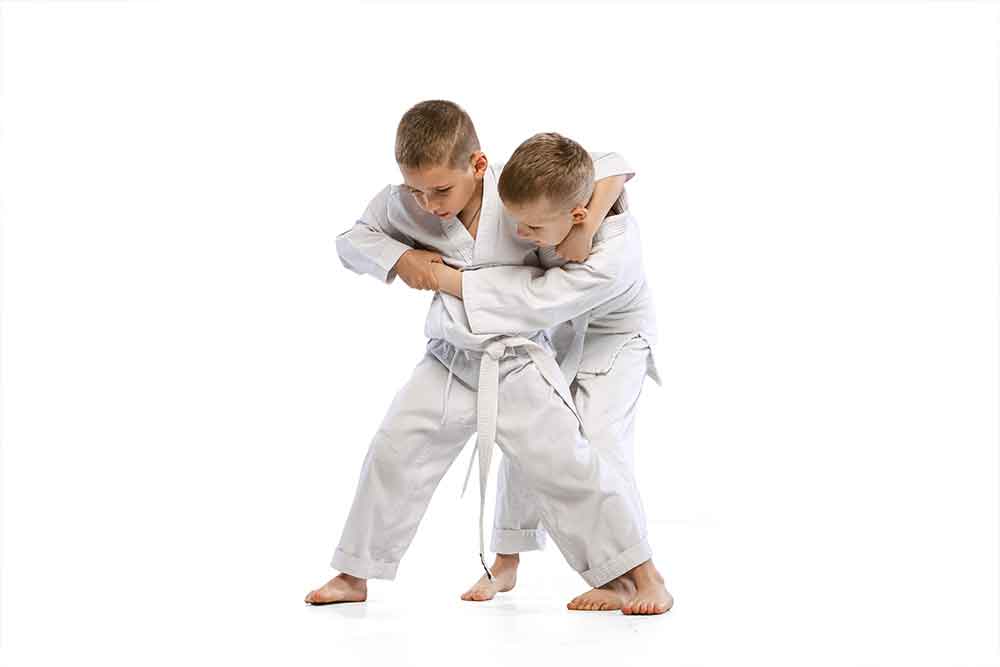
(442, 190)
(543, 223)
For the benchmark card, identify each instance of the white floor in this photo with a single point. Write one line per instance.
(732, 608)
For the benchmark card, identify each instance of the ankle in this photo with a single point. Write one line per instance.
(354, 581)
(645, 573)
(508, 560)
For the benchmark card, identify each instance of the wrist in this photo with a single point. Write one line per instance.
(449, 280)
(403, 256)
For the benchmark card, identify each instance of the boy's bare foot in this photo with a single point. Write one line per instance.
(342, 588)
(504, 577)
(612, 595)
(651, 596)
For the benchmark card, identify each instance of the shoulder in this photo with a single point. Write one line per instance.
(380, 202)
(395, 202)
(617, 239)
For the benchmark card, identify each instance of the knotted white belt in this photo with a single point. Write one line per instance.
(486, 410)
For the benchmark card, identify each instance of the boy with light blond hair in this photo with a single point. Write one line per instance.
(607, 349)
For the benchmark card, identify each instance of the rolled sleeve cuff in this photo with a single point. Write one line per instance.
(379, 261)
(390, 254)
(612, 164)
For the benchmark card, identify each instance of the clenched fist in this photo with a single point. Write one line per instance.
(414, 268)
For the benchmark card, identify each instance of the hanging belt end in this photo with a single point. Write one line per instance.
(489, 574)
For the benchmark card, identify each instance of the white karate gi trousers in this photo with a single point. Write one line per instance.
(581, 500)
(607, 403)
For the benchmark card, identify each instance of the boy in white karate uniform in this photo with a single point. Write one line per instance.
(607, 341)
(507, 388)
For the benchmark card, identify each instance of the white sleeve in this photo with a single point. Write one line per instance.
(611, 164)
(373, 245)
(513, 299)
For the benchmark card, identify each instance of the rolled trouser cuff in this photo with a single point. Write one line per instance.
(615, 567)
(363, 568)
(514, 541)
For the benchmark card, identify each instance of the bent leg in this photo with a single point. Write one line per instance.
(607, 403)
(584, 503)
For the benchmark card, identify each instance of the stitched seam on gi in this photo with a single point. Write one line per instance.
(614, 357)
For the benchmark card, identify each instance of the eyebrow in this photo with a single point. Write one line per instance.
(433, 187)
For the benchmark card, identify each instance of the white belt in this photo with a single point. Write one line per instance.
(486, 410)
(571, 362)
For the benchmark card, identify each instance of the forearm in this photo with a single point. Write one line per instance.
(606, 193)
(505, 299)
(449, 279)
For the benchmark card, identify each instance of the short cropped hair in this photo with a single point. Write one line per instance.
(550, 166)
(435, 133)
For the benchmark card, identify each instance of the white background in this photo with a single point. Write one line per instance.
(190, 379)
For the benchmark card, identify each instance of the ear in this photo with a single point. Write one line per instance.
(479, 164)
(578, 215)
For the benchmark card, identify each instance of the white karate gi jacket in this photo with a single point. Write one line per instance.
(604, 300)
(393, 223)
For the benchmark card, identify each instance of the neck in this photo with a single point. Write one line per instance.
(467, 214)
